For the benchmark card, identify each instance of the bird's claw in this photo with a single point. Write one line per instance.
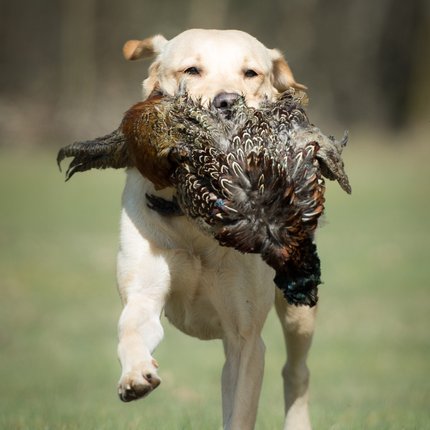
(162, 206)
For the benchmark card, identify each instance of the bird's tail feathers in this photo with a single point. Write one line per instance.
(331, 162)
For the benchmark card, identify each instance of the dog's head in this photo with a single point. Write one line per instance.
(217, 66)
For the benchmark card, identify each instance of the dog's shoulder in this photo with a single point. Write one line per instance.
(164, 232)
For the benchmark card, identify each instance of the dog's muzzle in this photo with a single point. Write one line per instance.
(224, 101)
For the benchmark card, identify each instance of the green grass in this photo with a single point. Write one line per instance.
(370, 361)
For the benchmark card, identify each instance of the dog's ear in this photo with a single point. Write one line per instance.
(151, 83)
(146, 48)
(137, 49)
(283, 77)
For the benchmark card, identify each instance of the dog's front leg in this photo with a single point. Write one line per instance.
(140, 332)
(143, 281)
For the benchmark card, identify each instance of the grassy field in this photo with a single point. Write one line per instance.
(59, 307)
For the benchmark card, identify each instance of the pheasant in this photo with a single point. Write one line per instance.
(254, 181)
(148, 132)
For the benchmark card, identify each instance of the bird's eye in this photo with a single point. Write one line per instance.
(192, 71)
(250, 73)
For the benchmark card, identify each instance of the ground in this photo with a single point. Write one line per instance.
(59, 307)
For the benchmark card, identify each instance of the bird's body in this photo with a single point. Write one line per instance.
(263, 194)
(254, 181)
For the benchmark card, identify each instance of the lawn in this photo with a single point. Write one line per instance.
(370, 361)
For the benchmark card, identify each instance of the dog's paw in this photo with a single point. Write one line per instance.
(138, 383)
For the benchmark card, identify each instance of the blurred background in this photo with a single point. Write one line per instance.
(62, 73)
(63, 78)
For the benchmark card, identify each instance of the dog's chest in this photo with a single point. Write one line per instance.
(192, 305)
(194, 316)
(217, 292)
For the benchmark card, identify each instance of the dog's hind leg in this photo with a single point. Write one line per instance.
(241, 381)
(298, 326)
(243, 302)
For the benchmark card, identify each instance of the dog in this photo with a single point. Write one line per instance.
(166, 263)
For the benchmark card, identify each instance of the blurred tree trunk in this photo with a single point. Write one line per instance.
(419, 91)
(345, 55)
(398, 56)
(78, 57)
(207, 13)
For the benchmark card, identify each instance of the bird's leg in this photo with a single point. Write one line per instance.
(162, 206)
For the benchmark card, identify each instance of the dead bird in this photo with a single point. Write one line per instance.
(253, 203)
(148, 132)
(265, 192)
(254, 181)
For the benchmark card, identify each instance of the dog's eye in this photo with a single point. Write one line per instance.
(192, 71)
(250, 73)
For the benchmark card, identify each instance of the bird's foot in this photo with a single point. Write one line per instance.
(162, 206)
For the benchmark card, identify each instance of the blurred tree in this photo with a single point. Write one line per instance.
(400, 52)
(365, 62)
(207, 13)
(78, 68)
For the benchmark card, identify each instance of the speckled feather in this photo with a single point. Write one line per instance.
(256, 203)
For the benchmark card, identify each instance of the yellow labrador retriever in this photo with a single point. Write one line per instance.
(206, 291)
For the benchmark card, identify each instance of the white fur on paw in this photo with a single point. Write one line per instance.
(138, 383)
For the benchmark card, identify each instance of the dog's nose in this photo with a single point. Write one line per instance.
(225, 100)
